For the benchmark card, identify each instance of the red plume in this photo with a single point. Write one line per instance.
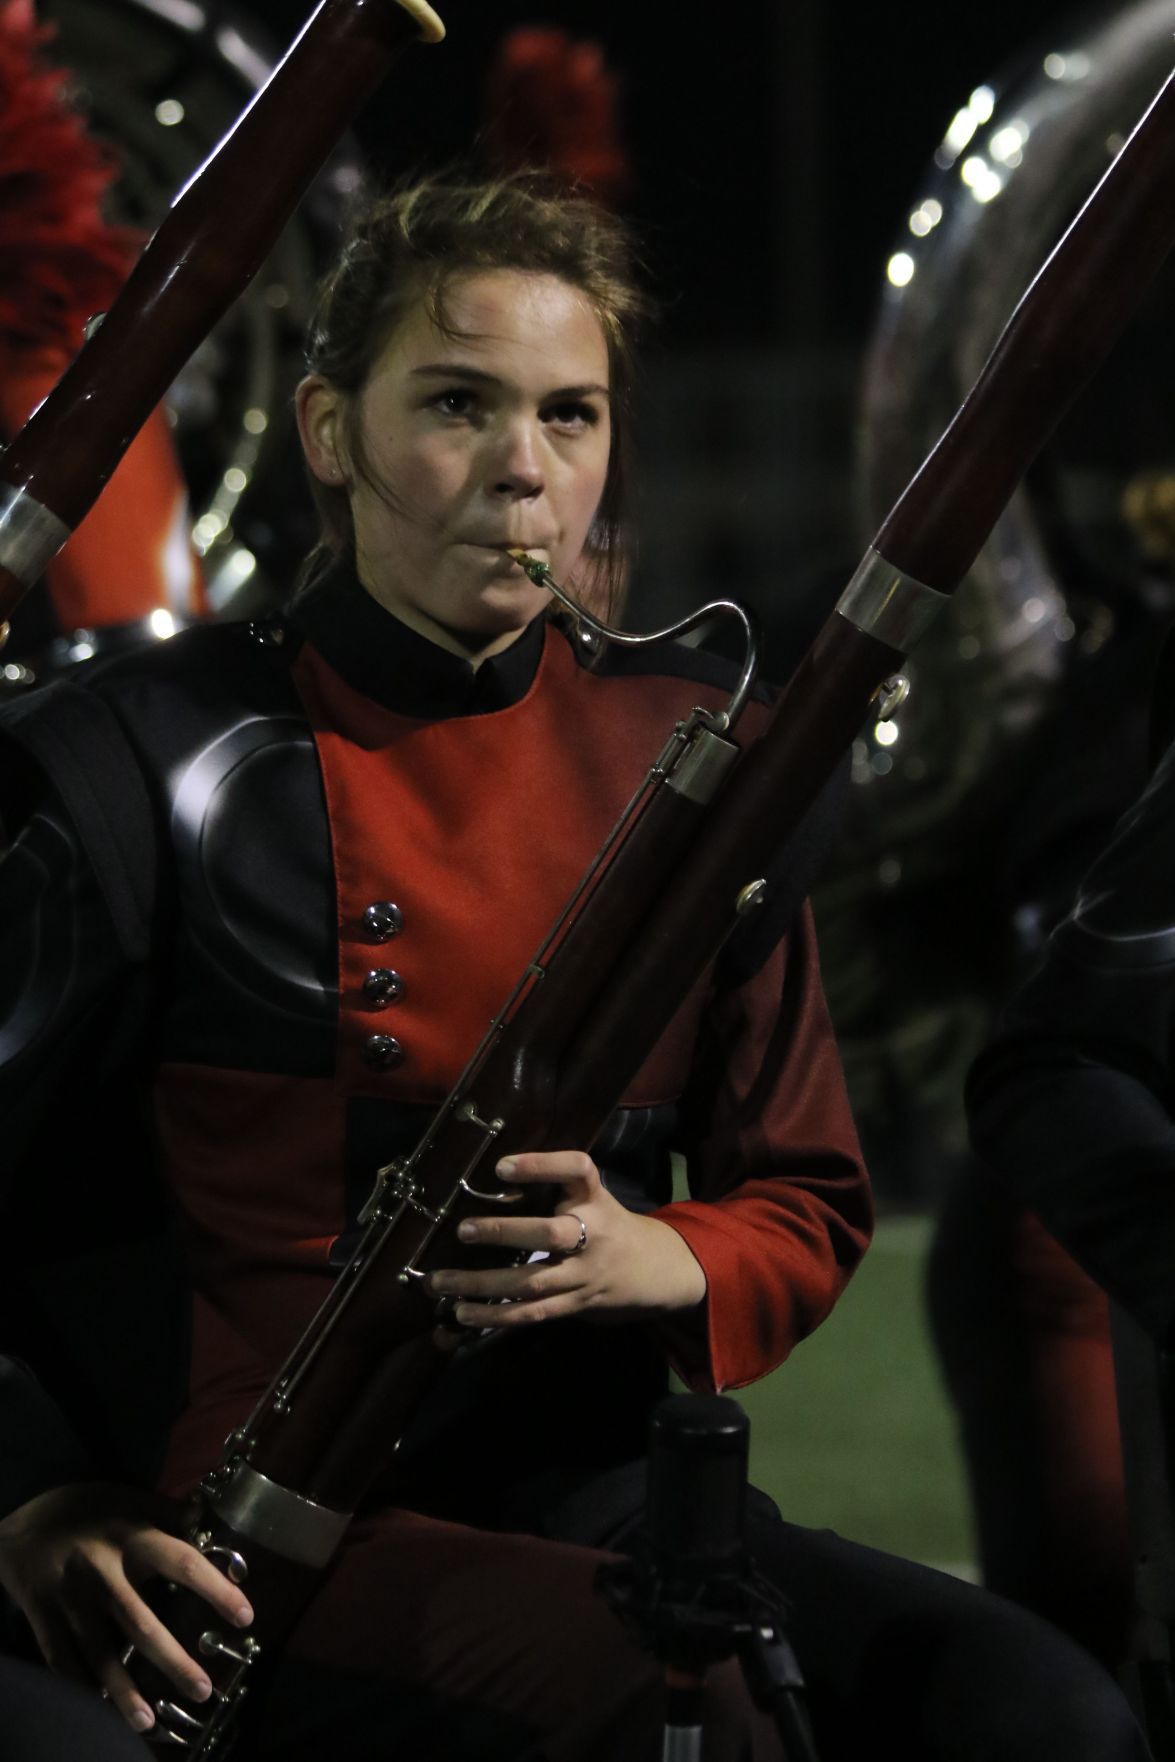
(553, 102)
(60, 261)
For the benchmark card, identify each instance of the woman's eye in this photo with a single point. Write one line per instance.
(457, 401)
(576, 415)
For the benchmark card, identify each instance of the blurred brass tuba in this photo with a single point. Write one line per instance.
(939, 892)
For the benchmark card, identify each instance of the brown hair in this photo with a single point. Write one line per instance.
(411, 243)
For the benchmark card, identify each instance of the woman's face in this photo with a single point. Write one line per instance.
(494, 436)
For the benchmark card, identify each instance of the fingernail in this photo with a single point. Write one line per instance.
(243, 1616)
(507, 1167)
(467, 1232)
(142, 1720)
(202, 1688)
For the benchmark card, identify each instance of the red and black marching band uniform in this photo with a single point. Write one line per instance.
(281, 877)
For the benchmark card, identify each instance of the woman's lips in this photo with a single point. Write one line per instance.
(508, 545)
(506, 552)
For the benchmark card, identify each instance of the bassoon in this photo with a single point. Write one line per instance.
(688, 860)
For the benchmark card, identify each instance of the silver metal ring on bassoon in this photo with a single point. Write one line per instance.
(885, 602)
(259, 1510)
(30, 534)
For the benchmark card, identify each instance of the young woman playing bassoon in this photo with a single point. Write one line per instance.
(359, 819)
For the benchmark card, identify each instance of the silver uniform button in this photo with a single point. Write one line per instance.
(382, 1052)
(383, 919)
(382, 986)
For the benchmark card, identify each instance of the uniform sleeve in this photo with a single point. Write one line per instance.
(1071, 1104)
(780, 1210)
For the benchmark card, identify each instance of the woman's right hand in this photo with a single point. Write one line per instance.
(72, 1561)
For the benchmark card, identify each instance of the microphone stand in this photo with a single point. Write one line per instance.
(690, 1589)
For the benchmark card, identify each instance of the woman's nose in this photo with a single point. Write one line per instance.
(515, 470)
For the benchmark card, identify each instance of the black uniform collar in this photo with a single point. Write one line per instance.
(396, 666)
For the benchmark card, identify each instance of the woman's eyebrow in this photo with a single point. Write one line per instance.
(579, 391)
(451, 370)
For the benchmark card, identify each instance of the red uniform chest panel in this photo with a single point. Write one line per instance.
(478, 828)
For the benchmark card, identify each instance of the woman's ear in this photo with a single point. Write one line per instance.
(318, 406)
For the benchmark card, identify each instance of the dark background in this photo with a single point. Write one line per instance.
(775, 143)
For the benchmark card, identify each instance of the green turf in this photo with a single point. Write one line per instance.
(854, 1430)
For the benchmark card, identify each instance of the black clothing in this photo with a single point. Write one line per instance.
(1074, 1101)
(43, 1719)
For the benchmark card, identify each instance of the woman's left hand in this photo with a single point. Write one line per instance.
(604, 1259)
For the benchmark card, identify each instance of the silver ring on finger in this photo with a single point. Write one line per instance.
(582, 1243)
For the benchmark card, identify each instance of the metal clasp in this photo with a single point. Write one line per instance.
(468, 1111)
(233, 1564)
(165, 1732)
(510, 1198)
(891, 694)
(393, 1175)
(214, 1645)
(701, 769)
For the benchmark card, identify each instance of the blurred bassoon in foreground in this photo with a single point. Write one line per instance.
(61, 260)
(54, 469)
